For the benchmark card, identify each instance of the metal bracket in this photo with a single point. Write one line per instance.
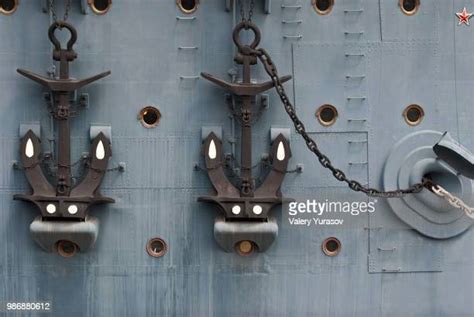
(83, 100)
(96, 130)
(85, 8)
(205, 131)
(33, 126)
(267, 4)
(45, 6)
(265, 101)
(275, 132)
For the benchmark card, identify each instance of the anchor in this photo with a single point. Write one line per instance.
(245, 209)
(62, 200)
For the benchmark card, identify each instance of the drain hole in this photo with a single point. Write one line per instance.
(100, 6)
(67, 248)
(8, 6)
(323, 6)
(327, 115)
(331, 246)
(156, 247)
(413, 114)
(187, 6)
(150, 117)
(409, 7)
(245, 247)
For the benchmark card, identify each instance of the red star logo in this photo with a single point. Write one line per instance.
(464, 16)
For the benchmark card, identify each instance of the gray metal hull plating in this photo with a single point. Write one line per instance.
(425, 59)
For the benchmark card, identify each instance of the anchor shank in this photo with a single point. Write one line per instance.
(63, 66)
(246, 148)
(64, 148)
(63, 187)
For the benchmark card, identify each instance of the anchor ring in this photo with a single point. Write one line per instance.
(244, 49)
(54, 39)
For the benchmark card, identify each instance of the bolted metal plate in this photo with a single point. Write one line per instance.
(95, 130)
(275, 132)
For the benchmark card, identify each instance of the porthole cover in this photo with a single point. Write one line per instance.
(187, 6)
(413, 114)
(409, 7)
(149, 117)
(327, 115)
(331, 246)
(8, 7)
(100, 6)
(156, 247)
(323, 6)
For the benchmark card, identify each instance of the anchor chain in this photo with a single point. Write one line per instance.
(453, 200)
(250, 13)
(354, 185)
(271, 70)
(54, 14)
(437, 189)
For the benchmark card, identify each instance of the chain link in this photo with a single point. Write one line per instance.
(66, 11)
(272, 71)
(242, 10)
(452, 200)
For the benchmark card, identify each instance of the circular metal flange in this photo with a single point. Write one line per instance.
(156, 247)
(8, 7)
(98, 8)
(409, 160)
(327, 115)
(185, 9)
(331, 246)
